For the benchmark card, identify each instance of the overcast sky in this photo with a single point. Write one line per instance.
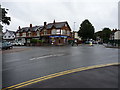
(101, 13)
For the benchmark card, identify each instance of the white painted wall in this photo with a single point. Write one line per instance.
(117, 35)
(24, 34)
(17, 34)
(76, 36)
(38, 33)
(7, 35)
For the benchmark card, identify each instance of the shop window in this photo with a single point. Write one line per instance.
(59, 40)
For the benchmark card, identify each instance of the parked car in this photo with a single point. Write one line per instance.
(20, 43)
(6, 45)
(14, 43)
(17, 43)
(87, 42)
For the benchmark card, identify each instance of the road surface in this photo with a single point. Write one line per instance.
(35, 62)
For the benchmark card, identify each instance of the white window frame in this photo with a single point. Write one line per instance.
(53, 31)
(58, 31)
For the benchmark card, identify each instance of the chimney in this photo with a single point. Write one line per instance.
(45, 23)
(30, 25)
(54, 21)
(19, 28)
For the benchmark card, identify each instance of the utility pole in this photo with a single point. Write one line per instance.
(74, 30)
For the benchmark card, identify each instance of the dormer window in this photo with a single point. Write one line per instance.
(38, 33)
(29, 34)
(45, 32)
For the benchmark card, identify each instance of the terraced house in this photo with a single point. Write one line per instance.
(25, 34)
(56, 33)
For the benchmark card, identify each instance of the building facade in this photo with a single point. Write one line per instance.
(115, 35)
(25, 34)
(9, 36)
(75, 35)
(56, 33)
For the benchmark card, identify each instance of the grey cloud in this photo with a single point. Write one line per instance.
(101, 14)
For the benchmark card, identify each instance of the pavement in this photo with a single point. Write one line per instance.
(15, 49)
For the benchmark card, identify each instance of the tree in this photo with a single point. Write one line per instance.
(98, 34)
(106, 34)
(86, 30)
(3, 18)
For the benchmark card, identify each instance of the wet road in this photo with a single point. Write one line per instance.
(40, 61)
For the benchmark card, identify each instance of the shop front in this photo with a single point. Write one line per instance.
(58, 40)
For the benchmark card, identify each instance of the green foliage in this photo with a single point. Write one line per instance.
(35, 41)
(42, 41)
(39, 41)
(86, 30)
(98, 34)
(3, 18)
(104, 34)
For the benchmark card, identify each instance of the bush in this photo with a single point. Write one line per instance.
(33, 40)
(39, 41)
(42, 41)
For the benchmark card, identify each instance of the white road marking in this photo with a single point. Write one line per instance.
(32, 58)
(52, 55)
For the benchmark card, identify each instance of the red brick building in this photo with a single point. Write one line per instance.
(25, 34)
(56, 33)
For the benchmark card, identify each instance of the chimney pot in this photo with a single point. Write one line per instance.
(30, 25)
(19, 28)
(45, 23)
(54, 21)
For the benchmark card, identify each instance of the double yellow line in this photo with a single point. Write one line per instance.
(56, 75)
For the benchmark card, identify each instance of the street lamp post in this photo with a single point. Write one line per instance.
(74, 26)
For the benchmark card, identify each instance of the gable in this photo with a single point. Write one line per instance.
(57, 25)
(9, 35)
